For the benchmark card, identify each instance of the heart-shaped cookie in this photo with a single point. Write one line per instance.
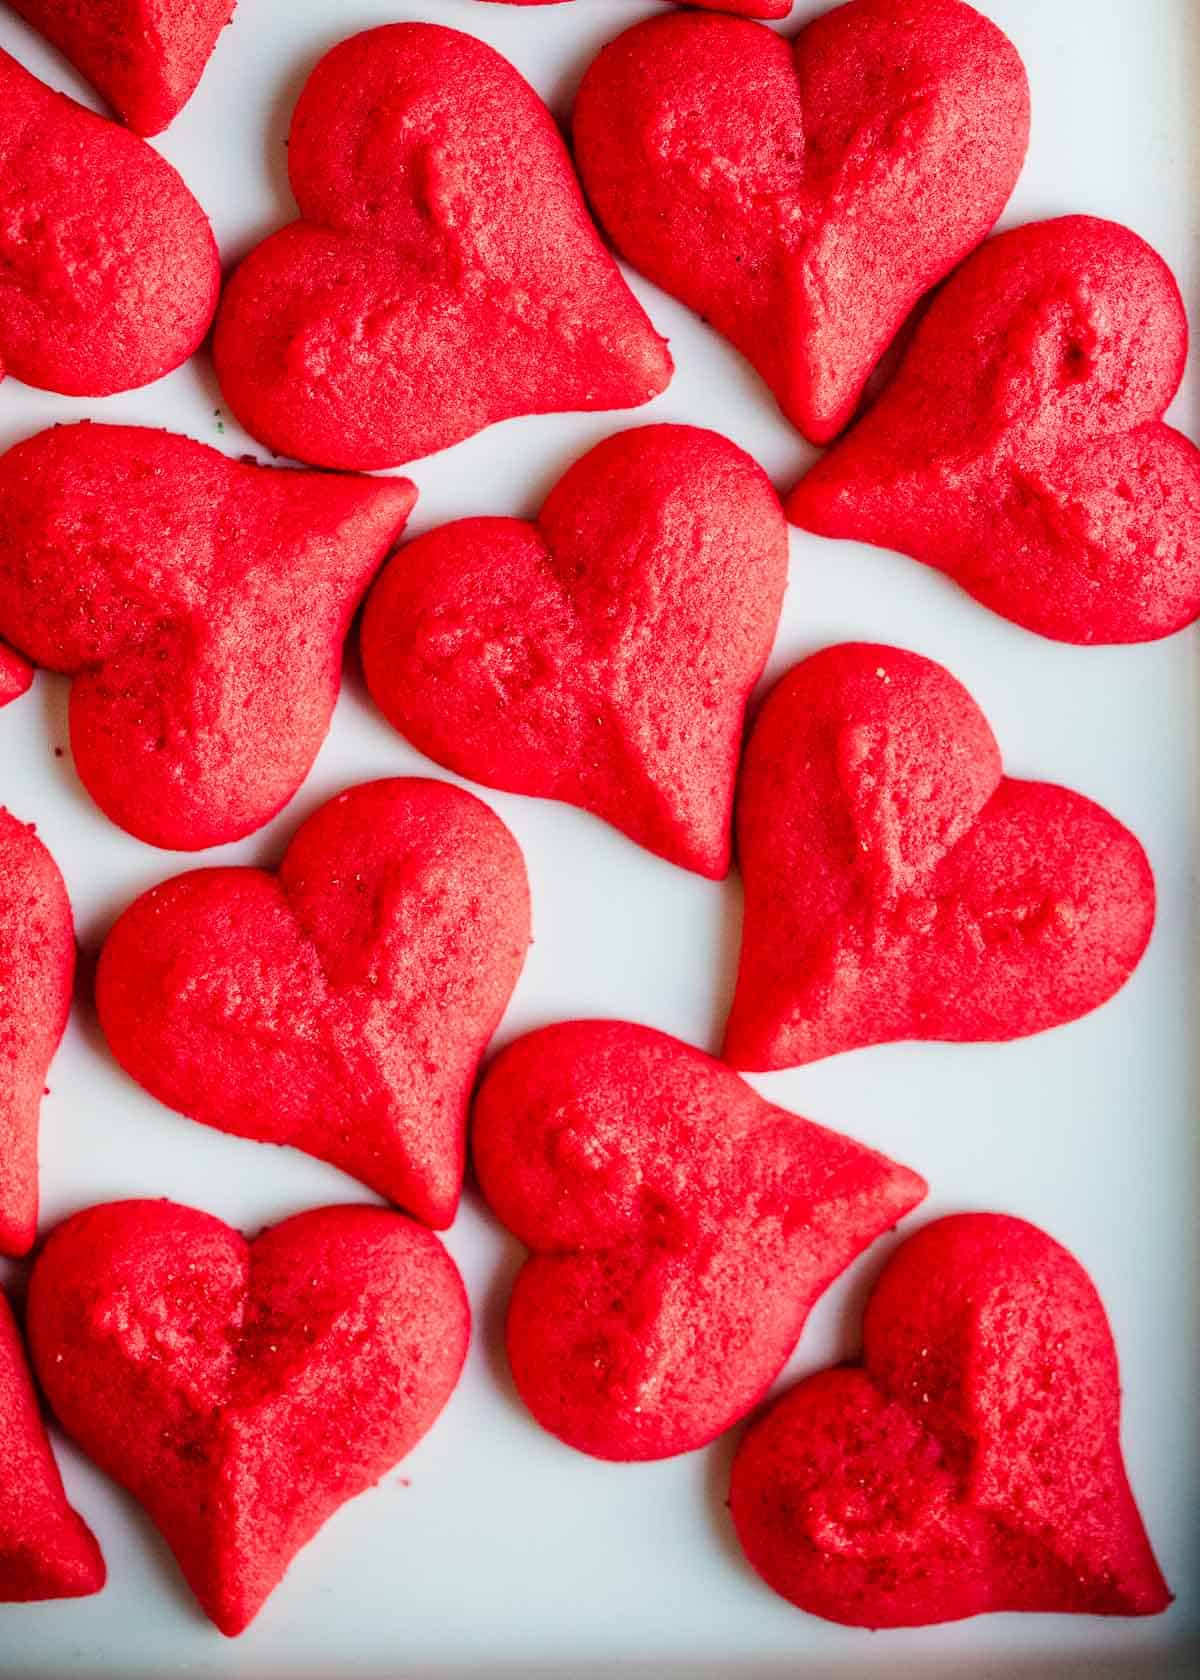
(46, 1548)
(341, 1006)
(108, 267)
(603, 655)
(972, 1463)
(243, 1391)
(1020, 447)
(681, 1229)
(802, 196)
(900, 886)
(37, 969)
(144, 56)
(444, 274)
(201, 606)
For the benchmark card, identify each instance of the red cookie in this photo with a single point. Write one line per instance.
(341, 1006)
(603, 655)
(972, 1464)
(444, 274)
(681, 1227)
(900, 886)
(16, 675)
(144, 56)
(802, 196)
(240, 1391)
(201, 606)
(1020, 448)
(46, 1548)
(108, 268)
(37, 970)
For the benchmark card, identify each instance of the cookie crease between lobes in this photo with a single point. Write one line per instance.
(243, 1391)
(342, 1005)
(37, 971)
(47, 1550)
(681, 1229)
(444, 273)
(802, 195)
(1020, 446)
(900, 886)
(603, 654)
(200, 605)
(109, 272)
(970, 1463)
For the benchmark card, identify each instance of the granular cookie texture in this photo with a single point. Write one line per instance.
(342, 1005)
(681, 1229)
(603, 654)
(37, 969)
(243, 1391)
(444, 274)
(1020, 447)
(110, 274)
(900, 886)
(201, 604)
(971, 1463)
(46, 1548)
(801, 196)
(144, 56)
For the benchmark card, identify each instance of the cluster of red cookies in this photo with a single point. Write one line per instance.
(898, 884)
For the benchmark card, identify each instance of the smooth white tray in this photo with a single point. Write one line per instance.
(508, 1553)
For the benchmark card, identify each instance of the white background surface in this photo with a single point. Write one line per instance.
(509, 1553)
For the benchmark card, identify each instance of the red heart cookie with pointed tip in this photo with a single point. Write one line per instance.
(16, 676)
(108, 267)
(604, 654)
(341, 1006)
(46, 1548)
(144, 56)
(243, 1391)
(900, 886)
(444, 275)
(681, 1229)
(201, 606)
(802, 196)
(37, 971)
(972, 1464)
(1020, 447)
